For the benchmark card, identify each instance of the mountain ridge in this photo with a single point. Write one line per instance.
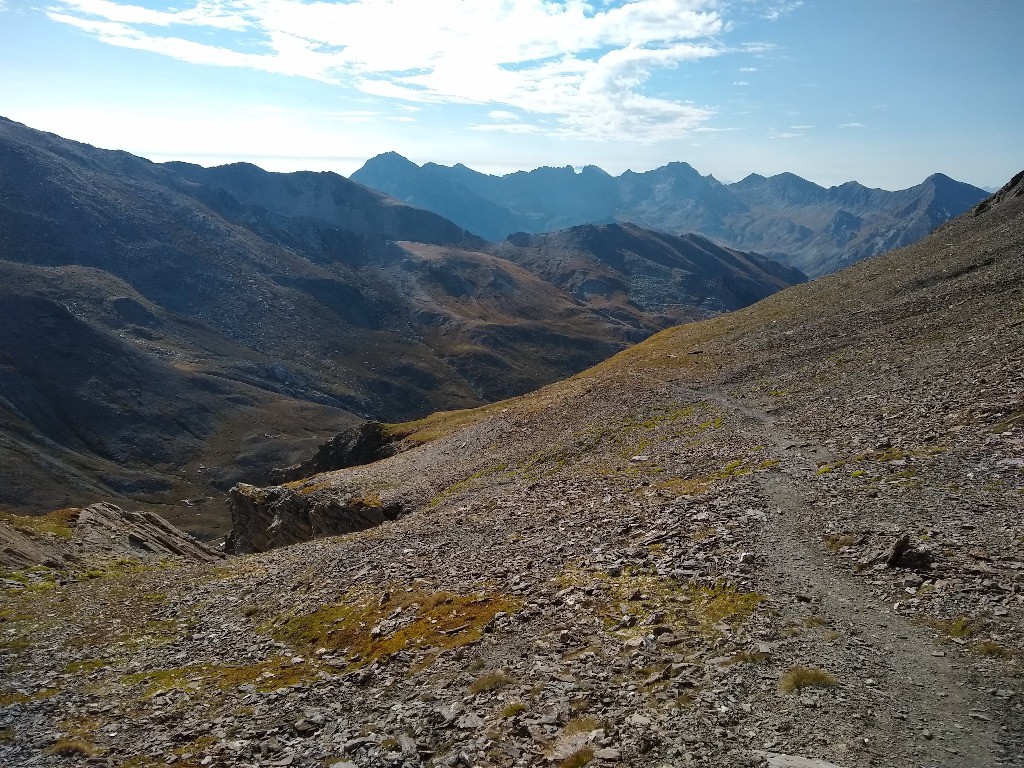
(785, 217)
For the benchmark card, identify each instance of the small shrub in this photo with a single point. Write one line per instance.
(491, 681)
(799, 678)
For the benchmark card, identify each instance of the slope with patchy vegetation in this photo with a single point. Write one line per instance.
(791, 530)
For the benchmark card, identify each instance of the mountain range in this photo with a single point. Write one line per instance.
(170, 329)
(817, 229)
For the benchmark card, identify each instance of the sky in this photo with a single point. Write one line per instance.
(884, 92)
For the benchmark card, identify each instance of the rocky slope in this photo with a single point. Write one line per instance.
(618, 266)
(790, 535)
(170, 330)
(785, 217)
(72, 539)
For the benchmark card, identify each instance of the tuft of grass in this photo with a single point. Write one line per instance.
(799, 678)
(994, 650)
(837, 541)
(747, 657)
(71, 748)
(961, 628)
(490, 681)
(513, 709)
(578, 759)
(583, 724)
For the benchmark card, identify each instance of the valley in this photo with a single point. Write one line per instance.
(170, 330)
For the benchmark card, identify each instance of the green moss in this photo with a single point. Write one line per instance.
(7, 699)
(695, 486)
(962, 628)
(265, 676)
(425, 621)
(685, 608)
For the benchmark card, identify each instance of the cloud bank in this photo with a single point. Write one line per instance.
(565, 68)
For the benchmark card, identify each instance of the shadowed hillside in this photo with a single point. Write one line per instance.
(170, 330)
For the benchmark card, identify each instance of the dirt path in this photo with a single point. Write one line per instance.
(927, 701)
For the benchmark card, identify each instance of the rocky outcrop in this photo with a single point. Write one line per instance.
(110, 531)
(363, 444)
(20, 549)
(100, 531)
(267, 518)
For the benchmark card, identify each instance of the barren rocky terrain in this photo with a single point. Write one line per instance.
(787, 536)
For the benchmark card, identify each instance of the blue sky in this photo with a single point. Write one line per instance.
(881, 91)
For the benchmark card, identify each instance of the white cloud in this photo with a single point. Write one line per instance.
(801, 127)
(521, 128)
(211, 13)
(581, 65)
(500, 114)
(777, 10)
(740, 82)
(749, 69)
(851, 125)
(785, 135)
